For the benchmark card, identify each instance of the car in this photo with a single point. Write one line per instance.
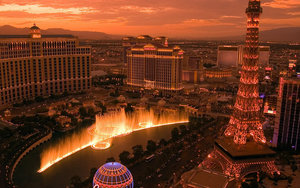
(150, 158)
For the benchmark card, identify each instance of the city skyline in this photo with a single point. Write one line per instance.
(174, 19)
(150, 93)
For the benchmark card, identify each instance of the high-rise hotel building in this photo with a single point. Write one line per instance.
(232, 56)
(155, 66)
(287, 121)
(141, 40)
(40, 65)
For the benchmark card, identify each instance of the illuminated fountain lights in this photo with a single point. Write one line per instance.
(101, 134)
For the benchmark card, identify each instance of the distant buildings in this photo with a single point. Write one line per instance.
(228, 56)
(218, 73)
(215, 74)
(193, 70)
(40, 65)
(287, 122)
(232, 56)
(192, 76)
(270, 104)
(155, 66)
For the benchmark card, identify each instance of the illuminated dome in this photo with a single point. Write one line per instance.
(113, 175)
(35, 31)
(34, 27)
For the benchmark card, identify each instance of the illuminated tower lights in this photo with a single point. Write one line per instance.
(246, 116)
(238, 157)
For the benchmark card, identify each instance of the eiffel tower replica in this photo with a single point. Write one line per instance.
(242, 149)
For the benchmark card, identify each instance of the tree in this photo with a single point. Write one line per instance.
(162, 142)
(39, 99)
(82, 112)
(129, 108)
(5, 133)
(151, 146)
(276, 178)
(208, 65)
(124, 157)
(74, 121)
(64, 113)
(183, 129)
(245, 185)
(194, 137)
(262, 176)
(93, 172)
(91, 112)
(75, 181)
(290, 180)
(138, 151)
(294, 168)
(175, 133)
(253, 184)
(110, 159)
(100, 105)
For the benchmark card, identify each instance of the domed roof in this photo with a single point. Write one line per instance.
(113, 174)
(121, 98)
(34, 27)
(161, 102)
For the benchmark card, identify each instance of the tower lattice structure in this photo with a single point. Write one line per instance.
(238, 157)
(246, 116)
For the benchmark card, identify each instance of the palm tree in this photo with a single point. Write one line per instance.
(92, 173)
(110, 159)
(183, 130)
(124, 157)
(175, 133)
(151, 146)
(162, 142)
(75, 181)
(290, 180)
(294, 168)
(276, 177)
(138, 151)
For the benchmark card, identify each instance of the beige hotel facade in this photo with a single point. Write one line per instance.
(40, 65)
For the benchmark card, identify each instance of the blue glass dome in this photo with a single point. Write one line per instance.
(112, 175)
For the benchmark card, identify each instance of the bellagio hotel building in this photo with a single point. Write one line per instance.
(40, 65)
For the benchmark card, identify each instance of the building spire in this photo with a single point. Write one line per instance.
(245, 120)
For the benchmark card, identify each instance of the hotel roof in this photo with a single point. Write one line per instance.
(203, 178)
(29, 37)
(246, 151)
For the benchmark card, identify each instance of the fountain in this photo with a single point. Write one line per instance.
(101, 134)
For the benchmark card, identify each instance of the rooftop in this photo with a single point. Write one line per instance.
(29, 37)
(249, 150)
(34, 27)
(203, 178)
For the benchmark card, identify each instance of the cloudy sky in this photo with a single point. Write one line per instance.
(173, 18)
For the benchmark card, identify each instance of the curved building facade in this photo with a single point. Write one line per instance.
(40, 65)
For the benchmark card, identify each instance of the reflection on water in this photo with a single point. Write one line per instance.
(80, 163)
(101, 133)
